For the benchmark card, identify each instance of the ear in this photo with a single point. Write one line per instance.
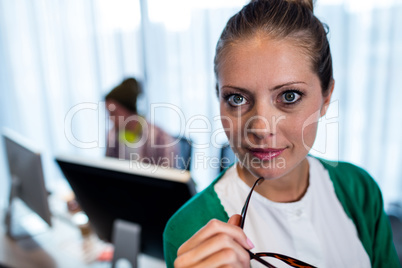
(327, 99)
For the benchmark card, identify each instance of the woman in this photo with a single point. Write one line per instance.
(132, 136)
(274, 81)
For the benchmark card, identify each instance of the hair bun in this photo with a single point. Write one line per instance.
(307, 3)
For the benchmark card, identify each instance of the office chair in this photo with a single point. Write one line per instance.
(184, 154)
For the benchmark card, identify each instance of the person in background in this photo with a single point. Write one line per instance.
(132, 137)
(274, 82)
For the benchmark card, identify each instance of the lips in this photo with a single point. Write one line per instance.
(266, 154)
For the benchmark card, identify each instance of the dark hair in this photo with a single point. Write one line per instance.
(281, 19)
(126, 94)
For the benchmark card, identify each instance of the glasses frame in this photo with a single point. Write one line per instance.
(257, 256)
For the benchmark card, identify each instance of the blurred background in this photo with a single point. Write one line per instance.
(59, 58)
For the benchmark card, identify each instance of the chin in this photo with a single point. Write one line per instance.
(272, 169)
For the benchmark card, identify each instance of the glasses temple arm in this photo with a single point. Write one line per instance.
(259, 259)
(245, 207)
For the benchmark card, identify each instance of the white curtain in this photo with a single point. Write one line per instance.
(366, 43)
(59, 58)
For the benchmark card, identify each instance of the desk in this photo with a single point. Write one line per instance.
(61, 246)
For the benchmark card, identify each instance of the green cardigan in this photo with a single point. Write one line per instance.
(356, 190)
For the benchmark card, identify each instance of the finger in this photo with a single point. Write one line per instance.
(212, 228)
(210, 247)
(235, 219)
(223, 258)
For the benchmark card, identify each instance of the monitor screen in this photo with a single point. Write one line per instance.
(26, 174)
(108, 189)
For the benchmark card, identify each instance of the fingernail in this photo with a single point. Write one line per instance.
(250, 243)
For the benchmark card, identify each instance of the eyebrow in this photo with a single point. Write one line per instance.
(236, 88)
(287, 84)
(272, 89)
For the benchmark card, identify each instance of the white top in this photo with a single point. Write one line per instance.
(315, 229)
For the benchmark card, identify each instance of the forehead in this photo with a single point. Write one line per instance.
(261, 59)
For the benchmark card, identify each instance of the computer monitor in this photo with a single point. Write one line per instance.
(26, 183)
(108, 189)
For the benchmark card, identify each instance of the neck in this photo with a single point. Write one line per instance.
(289, 188)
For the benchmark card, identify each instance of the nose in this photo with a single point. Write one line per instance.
(264, 122)
(260, 127)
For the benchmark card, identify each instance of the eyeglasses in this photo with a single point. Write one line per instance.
(258, 256)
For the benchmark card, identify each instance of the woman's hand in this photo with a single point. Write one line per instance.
(217, 244)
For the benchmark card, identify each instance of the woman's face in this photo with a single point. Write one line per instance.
(117, 113)
(270, 102)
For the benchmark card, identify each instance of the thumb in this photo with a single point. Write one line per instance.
(235, 219)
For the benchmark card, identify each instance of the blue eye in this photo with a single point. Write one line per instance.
(236, 100)
(290, 97)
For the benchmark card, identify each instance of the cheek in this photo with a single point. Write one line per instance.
(305, 122)
(231, 127)
(300, 130)
(229, 123)
(309, 134)
(307, 129)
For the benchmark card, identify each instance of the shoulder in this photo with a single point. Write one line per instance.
(354, 186)
(347, 174)
(191, 217)
(159, 133)
(195, 214)
(362, 200)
